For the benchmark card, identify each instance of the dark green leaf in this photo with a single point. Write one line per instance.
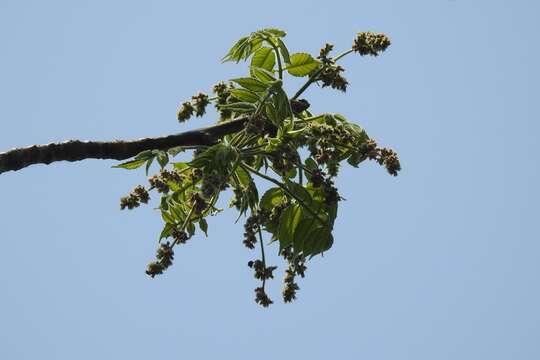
(176, 150)
(163, 159)
(287, 224)
(299, 191)
(306, 229)
(146, 154)
(284, 51)
(302, 64)
(318, 242)
(272, 114)
(166, 232)
(271, 198)
(245, 95)
(204, 226)
(190, 229)
(251, 84)
(148, 164)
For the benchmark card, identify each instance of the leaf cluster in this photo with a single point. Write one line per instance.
(298, 153)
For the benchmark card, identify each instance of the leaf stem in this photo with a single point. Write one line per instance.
(314, 77)
(278, 56)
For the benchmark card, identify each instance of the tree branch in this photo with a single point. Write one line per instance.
(75, 150)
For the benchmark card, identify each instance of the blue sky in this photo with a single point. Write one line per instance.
(438, 263)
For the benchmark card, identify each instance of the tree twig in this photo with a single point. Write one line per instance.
(75, 150)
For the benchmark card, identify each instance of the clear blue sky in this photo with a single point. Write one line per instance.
(438, 263)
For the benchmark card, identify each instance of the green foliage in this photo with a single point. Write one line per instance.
(299, 210)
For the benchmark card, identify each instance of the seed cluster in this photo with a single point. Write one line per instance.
(135, 198)
(332, 76)
(369, 43)
(197, 105)
(261, 271)
(164, 256)
(384, 156)
(160, 182)
(222, 91)
(284, 156)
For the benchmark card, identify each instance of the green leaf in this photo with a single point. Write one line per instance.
(176, 150)
(162, 158)
(204, 226)
(251, 84)
(132, 164)
(287, 225)
(299, 191)
(264, 58)
(284, 51)
(148, 164)
(282, 105)
(166, 232)
(306, 229)
(271, 198)
(318, 242)
(302, 64)
(236, 52)
(262, 74)
(354, 159)
(167, 217)
(146, 154)
(245, 95)
(190, 229)
(272, 114)
(275, 32)
(239, 107)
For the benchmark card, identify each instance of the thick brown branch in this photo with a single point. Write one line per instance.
(75, 150)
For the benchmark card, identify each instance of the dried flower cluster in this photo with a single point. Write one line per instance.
(369, 43)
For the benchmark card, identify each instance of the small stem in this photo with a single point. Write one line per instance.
(263, 259)
(278, 56)
(184, 224)
(314, 77)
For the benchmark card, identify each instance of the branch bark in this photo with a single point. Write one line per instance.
(75, 150)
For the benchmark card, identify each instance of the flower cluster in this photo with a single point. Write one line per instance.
(160, 182)
(262, 272)
(369, 43)
(165, 256)
(324, 142)
(222, 91)
(284, 157)
(289, 286)
(135, 198)
(213, 182)
(331, 76)
(197, 105)
(179, 236)
(251, 226)
(261, 298)
(323, 54)
(256, 125)
(384, 156)
(296, 267)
